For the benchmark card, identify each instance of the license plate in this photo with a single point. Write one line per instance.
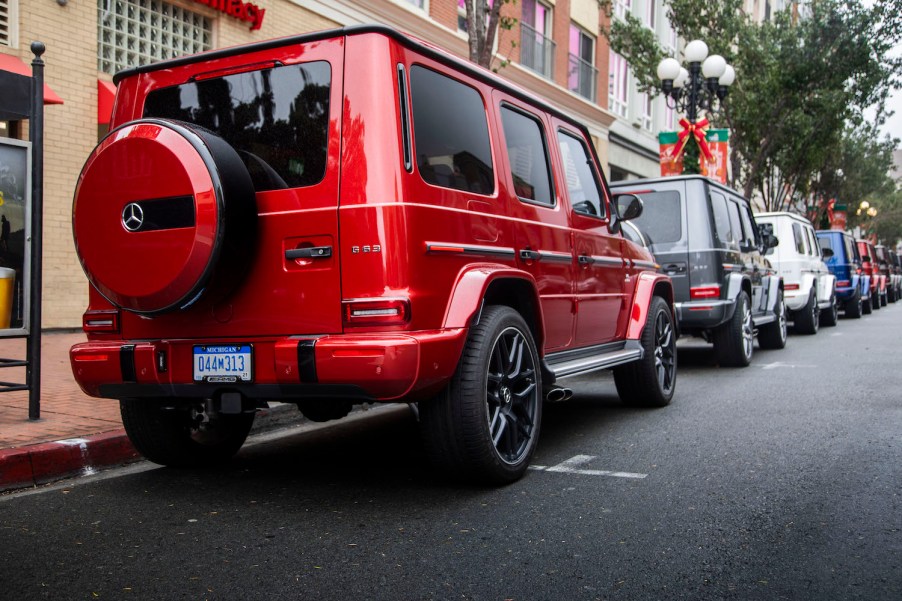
(223, 363)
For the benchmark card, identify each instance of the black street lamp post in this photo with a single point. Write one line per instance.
(703, 86)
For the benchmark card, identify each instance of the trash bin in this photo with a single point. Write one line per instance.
(7, 290)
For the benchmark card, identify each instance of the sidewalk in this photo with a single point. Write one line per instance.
(76, 434)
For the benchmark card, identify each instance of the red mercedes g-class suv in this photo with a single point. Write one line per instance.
(355, 216)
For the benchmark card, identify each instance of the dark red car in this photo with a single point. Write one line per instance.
(353, 216)
(869, 265)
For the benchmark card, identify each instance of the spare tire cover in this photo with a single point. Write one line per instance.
(161, 209)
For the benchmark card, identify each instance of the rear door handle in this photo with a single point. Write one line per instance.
(675, 268)
(311, 252)
(530, 255)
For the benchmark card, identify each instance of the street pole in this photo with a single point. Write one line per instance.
(36, 135)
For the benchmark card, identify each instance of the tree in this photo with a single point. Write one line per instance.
(483, 20)
(799, 82)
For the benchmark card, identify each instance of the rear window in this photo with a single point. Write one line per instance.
(277, 119)
(451, 134)
(661, 219)
(825, 242)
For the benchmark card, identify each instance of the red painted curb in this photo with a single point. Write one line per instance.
(36, 464)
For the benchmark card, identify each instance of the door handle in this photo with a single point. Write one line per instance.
(675, 268)
(530, 255)
(585, 260)
(311, 252)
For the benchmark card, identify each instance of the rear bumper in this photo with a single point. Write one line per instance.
(704, 314)
(364, 367)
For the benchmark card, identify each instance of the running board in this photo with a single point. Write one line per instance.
(583, 365)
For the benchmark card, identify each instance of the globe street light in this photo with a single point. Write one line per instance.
(703, 85)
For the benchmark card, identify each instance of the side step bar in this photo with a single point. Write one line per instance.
(582, 365)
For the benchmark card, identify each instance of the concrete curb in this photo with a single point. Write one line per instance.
(37, 464)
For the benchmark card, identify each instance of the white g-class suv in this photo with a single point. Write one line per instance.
(809, 289)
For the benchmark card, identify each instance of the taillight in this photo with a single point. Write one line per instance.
(843, 283)
(101, 322)
(702, 292)
(376, 312)
(790, 287)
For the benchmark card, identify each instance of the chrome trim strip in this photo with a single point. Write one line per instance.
(648, 264)
(555, 257)
(607, 261)
(470, 249)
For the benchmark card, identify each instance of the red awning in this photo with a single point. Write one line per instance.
(106, 94)
(14, 65)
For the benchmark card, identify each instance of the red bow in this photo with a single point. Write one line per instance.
(696, 129)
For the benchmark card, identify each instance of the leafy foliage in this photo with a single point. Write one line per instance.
(801, 90)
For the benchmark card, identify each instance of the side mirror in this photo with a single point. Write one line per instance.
(826, 253)
(629, 206)
(865, 258)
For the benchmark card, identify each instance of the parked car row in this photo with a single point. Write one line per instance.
(738, 275)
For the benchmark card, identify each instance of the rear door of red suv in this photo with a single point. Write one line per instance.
(280, 108)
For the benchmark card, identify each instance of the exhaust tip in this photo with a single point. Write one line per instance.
(558, 394)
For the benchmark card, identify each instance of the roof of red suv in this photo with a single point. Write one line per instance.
(420, 46)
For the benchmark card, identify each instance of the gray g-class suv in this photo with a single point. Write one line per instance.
(703, 235)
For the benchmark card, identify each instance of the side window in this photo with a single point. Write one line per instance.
(851, 250)
(749, 238)
(735, 222)
(799, 238)
(582, 180)
(812, 239)
(528, 156)
(722, 219)
(451, 133)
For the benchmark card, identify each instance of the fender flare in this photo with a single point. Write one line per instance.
(470, 289)
(775, 284)
(647, 283)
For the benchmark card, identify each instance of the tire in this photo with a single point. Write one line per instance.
(650, 381)
(168, 435)
(890, 294)
(854, 306)
(807, 319)
(484, 426)
(773, 335)
(883, 299)
(866, 306)
(734, 341)
(830, 315)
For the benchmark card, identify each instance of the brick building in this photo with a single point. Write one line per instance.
(555, 51)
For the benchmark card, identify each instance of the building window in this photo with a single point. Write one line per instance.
(418, 3)
(8, 22)
(651, 7)
(462, 13)
(646, 116)
(135, 32)
(669, 118)
(583, 74)
(622, 8)
(536, 45)
(618, 85)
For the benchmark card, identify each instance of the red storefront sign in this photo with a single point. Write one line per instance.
(243, 11)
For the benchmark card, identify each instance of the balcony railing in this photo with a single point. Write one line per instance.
(582, 77)
(536, 51)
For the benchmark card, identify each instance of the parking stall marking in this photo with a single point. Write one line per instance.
(571, 466)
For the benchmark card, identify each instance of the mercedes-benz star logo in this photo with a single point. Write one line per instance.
(133, 217)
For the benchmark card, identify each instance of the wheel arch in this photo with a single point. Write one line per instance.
(490, 284)
(648, 285)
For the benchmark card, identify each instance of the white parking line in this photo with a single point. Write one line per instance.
(777, 364)
(571, 467)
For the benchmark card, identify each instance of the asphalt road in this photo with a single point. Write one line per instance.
(778, 481)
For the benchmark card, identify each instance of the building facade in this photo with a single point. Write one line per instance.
(555, 51)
